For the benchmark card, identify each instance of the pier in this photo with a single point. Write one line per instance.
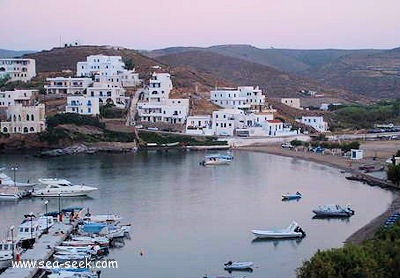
(42, 250)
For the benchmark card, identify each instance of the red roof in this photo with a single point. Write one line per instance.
(274, 121)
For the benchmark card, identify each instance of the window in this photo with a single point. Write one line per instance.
(27, 117)
(25, 130)
(32, 129)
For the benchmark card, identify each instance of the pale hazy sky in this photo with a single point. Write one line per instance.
(144, 24)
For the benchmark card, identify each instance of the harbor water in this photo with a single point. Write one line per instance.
(188, 220)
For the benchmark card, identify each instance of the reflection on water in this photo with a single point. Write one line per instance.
(197, 217)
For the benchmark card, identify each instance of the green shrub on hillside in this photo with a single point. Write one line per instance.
(72, 118)
(378, 257)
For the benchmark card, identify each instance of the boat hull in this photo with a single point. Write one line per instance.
(66, 194)
(273, 235)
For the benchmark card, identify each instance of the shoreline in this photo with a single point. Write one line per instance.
(367, 231)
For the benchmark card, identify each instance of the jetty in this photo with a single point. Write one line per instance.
(42, 250)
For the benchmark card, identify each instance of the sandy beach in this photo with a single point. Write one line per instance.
(375, 153)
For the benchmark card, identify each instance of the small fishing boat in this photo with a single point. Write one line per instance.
(333, 211)
(94, 240)
(93, 228)
(99, 218)
(227, 156)
(289, 196)
(292, 231)
(238, 265)
(29, 230)
(8, 250)
(71, 257)
(76, 243)
(214, 161)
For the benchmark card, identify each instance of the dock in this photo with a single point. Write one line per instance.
(43, 249)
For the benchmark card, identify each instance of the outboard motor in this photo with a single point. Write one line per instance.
(303, 233)
(228, 263)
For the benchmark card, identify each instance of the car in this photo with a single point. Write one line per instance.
(287, 145)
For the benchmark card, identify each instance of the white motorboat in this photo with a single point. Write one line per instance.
(71, 257)
(238, 265)
(333, 211)
(109, 218)
(76, 243)
(74, 249)
(10, 193)
(214, 161)
(227, 156)
(61, 188)
(7, 181)
(94, 240)
(292, 231)
(29, 230)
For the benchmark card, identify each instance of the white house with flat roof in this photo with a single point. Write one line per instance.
(173, 111)
(67, 85)
(24, 119)
(225, 121)
(108, 95)
(24, 97)
(160, 85)
(17, 69)
(292, 102)
(100, 65)
(317, 122)
(199, 125)
(84, 105)
(128, 78)
(244, 97)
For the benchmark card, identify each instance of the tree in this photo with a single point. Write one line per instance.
(393, 173)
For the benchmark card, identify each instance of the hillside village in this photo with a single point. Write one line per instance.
(103, 82)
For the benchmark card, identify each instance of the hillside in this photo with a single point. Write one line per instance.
(6, 53)
(288, 60)
(373, 75)
(65, 58)
(240, 72)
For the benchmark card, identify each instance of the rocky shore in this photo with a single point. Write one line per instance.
(375, 153)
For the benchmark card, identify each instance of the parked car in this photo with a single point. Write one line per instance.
(287, 145)
(318, 149)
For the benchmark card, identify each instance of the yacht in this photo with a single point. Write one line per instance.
(61, 188)
(10, 193)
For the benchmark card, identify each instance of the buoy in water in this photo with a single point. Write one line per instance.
(141, 252)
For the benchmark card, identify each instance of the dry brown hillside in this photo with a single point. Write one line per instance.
(65, 58)
(242, 73)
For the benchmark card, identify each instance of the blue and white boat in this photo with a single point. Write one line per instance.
(227, 156)
(93, 228)
(289, 196)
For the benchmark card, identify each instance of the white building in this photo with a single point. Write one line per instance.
(128, 78)
(245, 97)
(317, 122)
(24, 119)
(172, 111)
(107, 94)
(67, 85)
(24, 97)
(199, 125)
(100, 65)
(83, 105)
(292, 102)
(159, 87)
(17, 69)
(225, 121)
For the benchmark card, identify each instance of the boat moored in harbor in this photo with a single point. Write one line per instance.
(292, 231)
(61, 187)
(333, 211)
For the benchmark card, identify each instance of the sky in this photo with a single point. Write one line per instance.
(154, 24)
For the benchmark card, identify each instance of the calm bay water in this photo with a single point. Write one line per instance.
(189, 219)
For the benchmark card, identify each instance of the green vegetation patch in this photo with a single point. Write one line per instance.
(378, 257)
(73, 118)
(359, 117)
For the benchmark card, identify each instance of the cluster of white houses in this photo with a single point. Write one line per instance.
(102, 80)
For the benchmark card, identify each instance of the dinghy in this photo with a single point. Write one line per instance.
(292, 231)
